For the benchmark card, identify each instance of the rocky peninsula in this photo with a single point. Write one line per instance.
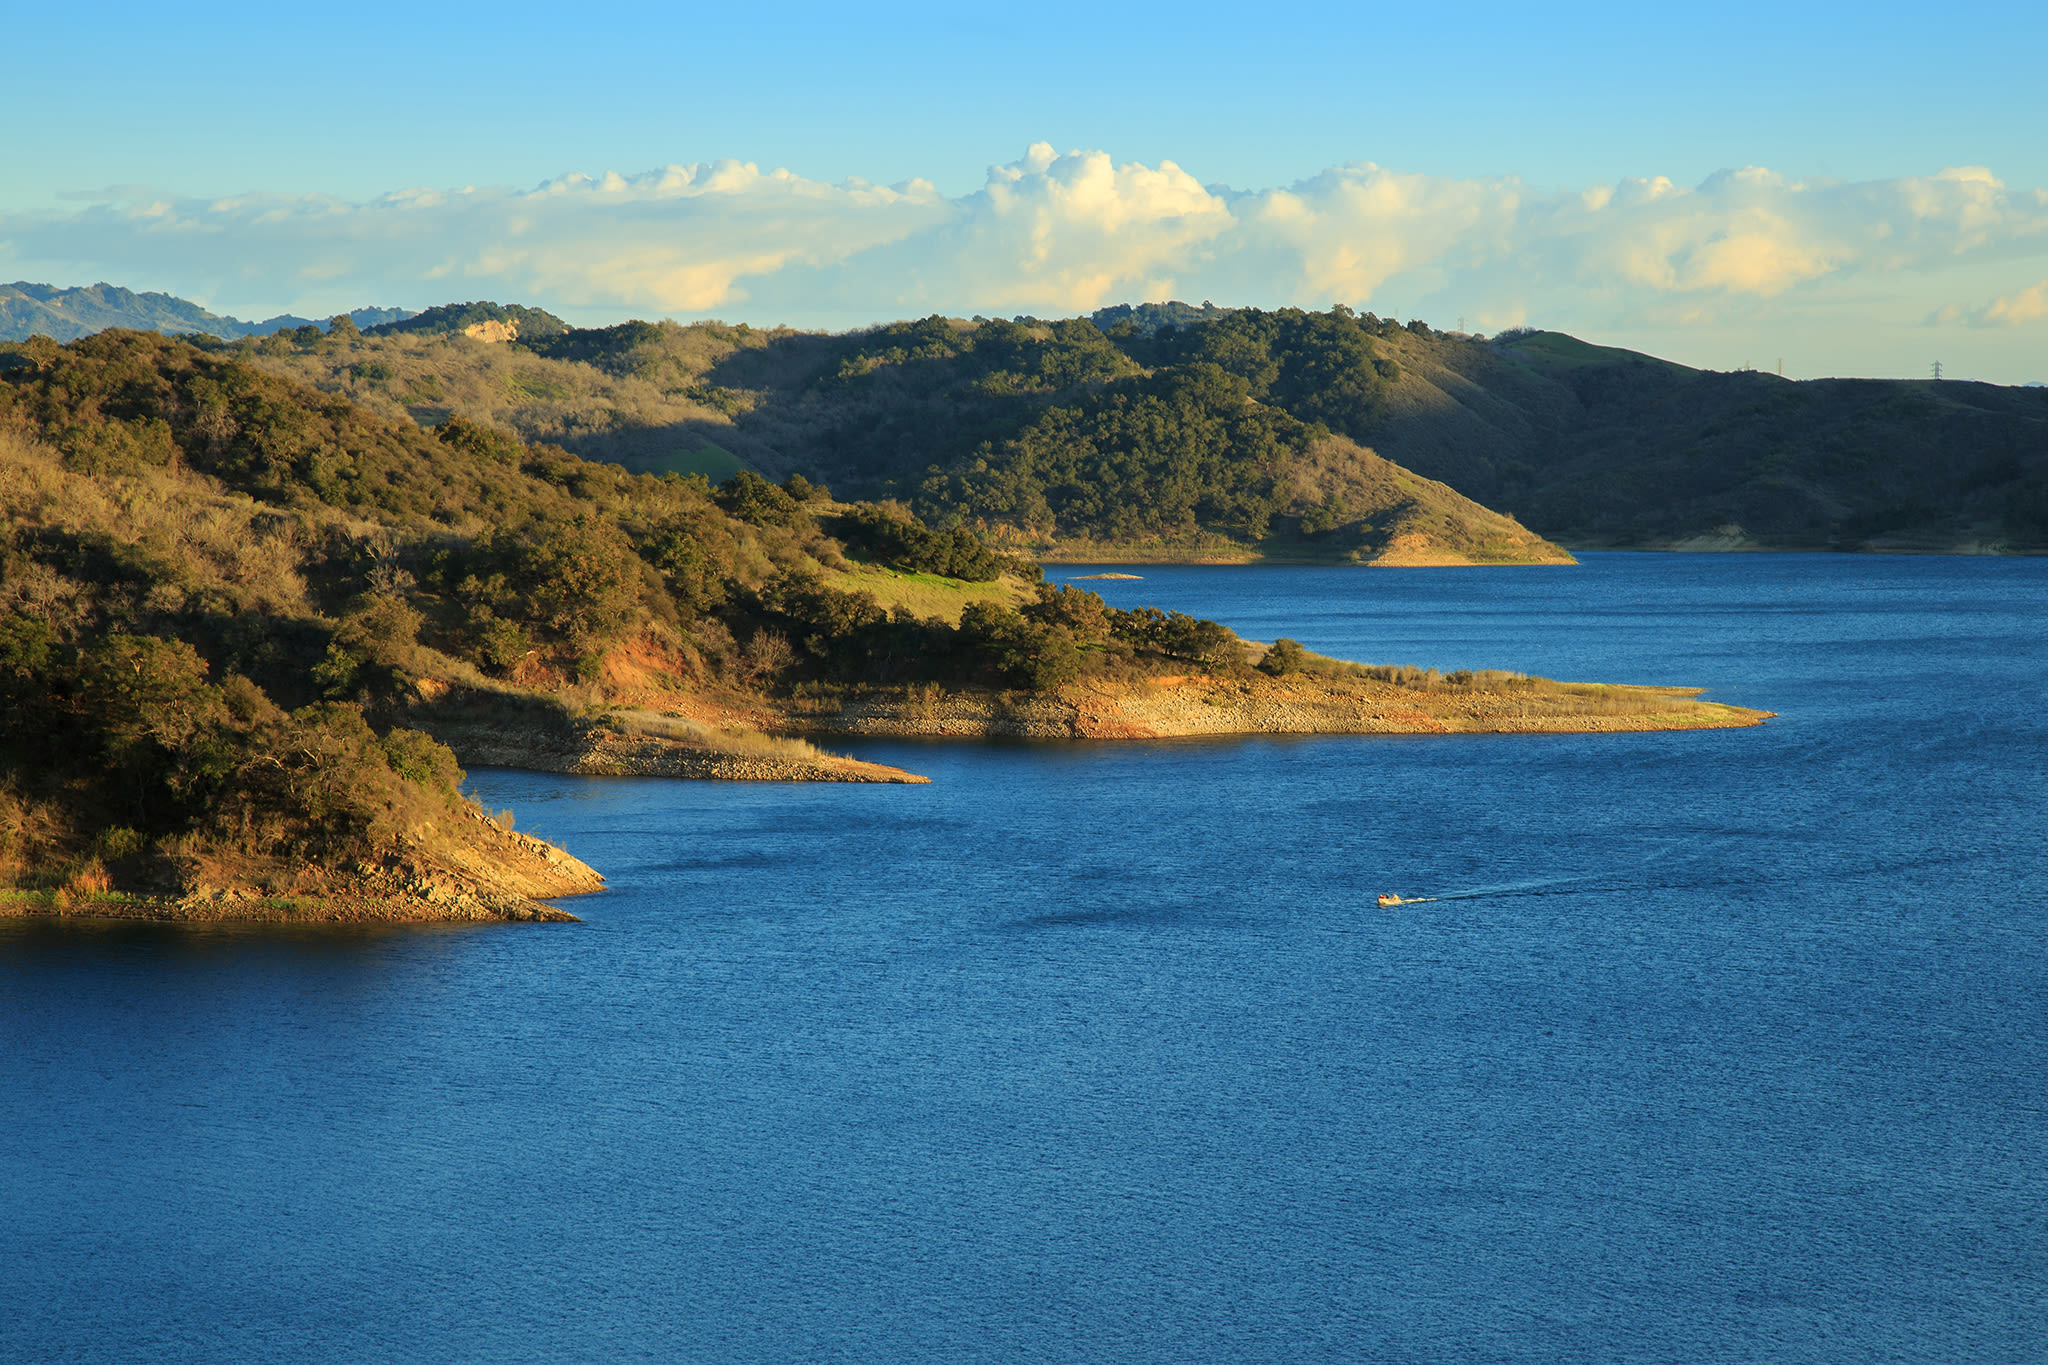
(467, 866)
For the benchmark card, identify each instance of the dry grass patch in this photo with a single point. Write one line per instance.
(747, 743)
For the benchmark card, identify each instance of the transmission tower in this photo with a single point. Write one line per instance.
(1937, 369)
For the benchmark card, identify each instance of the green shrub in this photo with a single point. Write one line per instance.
(27, 646)
(380, 628)
(1285, 657)
(420, 758)
(695, 552)
(500, 645)
(751, 498)
(474, 438)
(337, 673)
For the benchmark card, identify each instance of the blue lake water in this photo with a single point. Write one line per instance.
(1725, 1046)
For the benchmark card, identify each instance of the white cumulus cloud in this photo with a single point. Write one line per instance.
(675, 240)
(1055, 233)
(1343, 234)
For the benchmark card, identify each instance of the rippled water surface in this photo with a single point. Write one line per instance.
(1722, 1046)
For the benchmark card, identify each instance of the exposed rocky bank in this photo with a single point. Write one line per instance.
(600, 751)
(468, 867)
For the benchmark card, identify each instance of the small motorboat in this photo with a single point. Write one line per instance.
(1386, 900)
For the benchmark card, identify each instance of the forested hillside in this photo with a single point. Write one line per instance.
(1169, 431)
(234, 611)
(1234, 438)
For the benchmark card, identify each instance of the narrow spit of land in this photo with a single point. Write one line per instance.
(1176, 706)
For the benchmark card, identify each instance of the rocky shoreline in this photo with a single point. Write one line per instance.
(479, 870)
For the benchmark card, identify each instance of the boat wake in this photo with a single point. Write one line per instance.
(1541, 886)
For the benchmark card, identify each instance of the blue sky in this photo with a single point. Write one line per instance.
(1486, 131)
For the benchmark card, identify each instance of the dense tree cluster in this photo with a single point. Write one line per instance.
(1063, 634)
(1141, 432)
(890, 535)
(1318, 367)
(169, 768)
(1158, 456)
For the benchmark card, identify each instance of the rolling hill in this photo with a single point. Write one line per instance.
(1050, 439)
(1602, 447)
(1066, 440)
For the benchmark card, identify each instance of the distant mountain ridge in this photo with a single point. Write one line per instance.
(65, 314)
